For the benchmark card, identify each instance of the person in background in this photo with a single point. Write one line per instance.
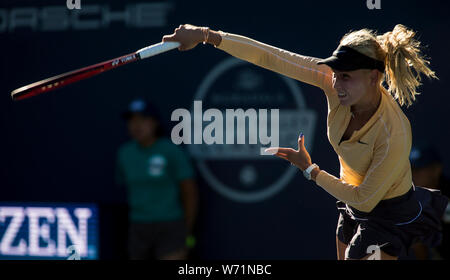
(162, 192)
(427, 171)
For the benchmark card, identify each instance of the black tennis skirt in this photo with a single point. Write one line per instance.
(394, 224)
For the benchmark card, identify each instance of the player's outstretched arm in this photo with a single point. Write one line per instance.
(299, 67)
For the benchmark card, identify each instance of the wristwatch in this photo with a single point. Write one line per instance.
(307, 171)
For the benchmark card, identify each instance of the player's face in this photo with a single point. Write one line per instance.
(352, 86)
(141, 128)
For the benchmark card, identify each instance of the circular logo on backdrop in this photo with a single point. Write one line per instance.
(238, 171)
(156, 165)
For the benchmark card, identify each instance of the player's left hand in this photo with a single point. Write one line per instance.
(299, 157)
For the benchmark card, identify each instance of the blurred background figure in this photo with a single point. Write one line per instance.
(161, 190)
(427, 171)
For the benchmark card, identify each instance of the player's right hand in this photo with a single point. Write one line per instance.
(187, 35)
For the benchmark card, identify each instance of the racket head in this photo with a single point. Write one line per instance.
(89, 71)
(64, 79)
(51, 84)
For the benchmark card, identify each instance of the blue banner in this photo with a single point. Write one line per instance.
(48, 231)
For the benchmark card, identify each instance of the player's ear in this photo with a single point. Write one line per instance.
(373, 75)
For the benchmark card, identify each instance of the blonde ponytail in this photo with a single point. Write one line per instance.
(401, 55)
(404, 64)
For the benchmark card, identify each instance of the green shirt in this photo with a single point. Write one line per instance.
(152, 176)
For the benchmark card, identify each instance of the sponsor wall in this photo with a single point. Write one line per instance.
(48, 231)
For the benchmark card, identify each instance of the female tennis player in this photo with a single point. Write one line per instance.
(378, 204)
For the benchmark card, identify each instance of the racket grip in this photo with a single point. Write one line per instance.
(157, 49)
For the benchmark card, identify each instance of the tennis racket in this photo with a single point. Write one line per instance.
(89, 71)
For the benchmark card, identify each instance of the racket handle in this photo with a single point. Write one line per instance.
(157, 49)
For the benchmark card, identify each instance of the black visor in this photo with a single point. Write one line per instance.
(347, 59)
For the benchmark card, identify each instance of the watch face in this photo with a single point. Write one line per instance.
(306, 174)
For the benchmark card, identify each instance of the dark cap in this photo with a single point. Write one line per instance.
(143, 107)
(422, 156)
(345, 58)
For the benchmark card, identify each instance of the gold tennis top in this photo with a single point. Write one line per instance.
(374, 162)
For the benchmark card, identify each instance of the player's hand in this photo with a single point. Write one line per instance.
(187, 35)
(299, 157)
